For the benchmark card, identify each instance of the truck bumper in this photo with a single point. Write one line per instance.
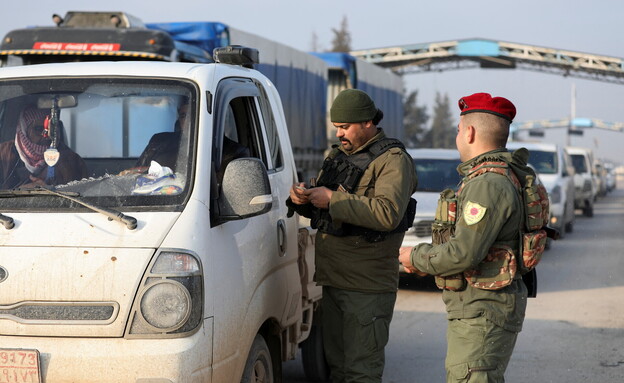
(90, 360)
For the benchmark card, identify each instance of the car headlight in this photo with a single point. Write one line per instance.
(165, 305)
(169, 302)
(555, 194)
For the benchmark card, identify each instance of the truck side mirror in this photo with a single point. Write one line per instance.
(246, 191)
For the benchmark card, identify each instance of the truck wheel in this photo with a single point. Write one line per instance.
(313, 356)
(259, 367)
(588, 211)
(569, 227)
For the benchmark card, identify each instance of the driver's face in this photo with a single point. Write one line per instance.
(35, 133)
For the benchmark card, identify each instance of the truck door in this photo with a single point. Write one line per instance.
(253, 268)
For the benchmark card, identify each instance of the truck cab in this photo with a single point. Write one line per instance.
(169, 255)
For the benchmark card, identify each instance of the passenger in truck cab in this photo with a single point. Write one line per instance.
(163, 147)
(22, 162)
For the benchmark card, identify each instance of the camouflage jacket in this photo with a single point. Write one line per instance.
(489, 211)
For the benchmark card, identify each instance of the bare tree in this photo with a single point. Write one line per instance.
(342, 37)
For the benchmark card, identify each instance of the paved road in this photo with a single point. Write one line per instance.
(574, 329)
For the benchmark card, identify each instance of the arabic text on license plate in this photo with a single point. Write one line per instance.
(19, 366)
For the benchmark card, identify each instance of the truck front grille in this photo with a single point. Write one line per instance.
(56, 312)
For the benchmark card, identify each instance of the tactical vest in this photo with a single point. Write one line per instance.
(343, 173)
(502, 263)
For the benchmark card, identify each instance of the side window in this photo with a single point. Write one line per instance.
(271, 129)
(236, 128)
(238, 132)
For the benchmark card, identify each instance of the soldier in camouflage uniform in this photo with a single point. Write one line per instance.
(359, 203)
(475, 242)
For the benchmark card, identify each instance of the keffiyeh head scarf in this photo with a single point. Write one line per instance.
(30, 153)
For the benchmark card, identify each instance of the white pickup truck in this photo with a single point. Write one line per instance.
(143, 231)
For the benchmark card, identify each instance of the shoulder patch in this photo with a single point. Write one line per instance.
(473, 212)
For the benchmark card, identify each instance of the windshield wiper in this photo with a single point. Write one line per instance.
(38, 191)
(112, 214)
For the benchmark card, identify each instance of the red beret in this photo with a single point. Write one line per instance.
(484, 103)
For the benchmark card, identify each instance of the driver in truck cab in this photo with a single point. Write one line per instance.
(22, 160)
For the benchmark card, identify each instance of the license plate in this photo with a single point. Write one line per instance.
(19, 366)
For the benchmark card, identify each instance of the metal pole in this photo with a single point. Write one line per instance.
(572, 114)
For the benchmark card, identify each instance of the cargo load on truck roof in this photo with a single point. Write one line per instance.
(84, 36)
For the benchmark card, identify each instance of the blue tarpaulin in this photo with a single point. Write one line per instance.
(206, 35)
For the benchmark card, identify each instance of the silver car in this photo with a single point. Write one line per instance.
(586, 190)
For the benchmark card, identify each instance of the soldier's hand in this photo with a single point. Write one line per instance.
(319, 196)
(405, 257)
(297, 194)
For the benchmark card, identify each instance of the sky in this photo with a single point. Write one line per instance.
(577, 25)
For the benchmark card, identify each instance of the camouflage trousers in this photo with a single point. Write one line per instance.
(478, 351)
(356, 328)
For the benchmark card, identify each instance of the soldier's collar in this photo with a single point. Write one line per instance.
(493, 155)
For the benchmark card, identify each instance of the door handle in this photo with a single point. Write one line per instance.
(281, 237)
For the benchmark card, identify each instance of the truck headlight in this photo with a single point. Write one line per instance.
(169, 302)
(165, 305)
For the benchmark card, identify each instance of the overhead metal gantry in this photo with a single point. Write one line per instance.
(572, 124)
(482, 53)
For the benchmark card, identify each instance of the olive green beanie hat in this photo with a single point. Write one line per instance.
(352, 105)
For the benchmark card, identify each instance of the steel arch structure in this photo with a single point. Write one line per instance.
(483, 53)
(574, 124)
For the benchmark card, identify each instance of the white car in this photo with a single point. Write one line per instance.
(583, 179)
(554, 167)
(436, 170)
(611, 181)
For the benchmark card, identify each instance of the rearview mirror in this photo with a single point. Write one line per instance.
(64, 101)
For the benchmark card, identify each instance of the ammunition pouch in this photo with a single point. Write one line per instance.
(533, 247)
(455, 282)
(444, 225)
(496, 271)
(442, 229)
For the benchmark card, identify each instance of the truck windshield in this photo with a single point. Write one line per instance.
(545, 162)
(121, 144)
(578, 161)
